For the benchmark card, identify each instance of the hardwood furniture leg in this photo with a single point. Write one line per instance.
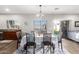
(26, 49)
(61, 46)
(50, 48)
(43, 50)
(53, 46)
(17, 44)
(34, 50)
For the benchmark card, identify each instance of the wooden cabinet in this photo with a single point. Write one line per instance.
(1, 35)
(10, 34)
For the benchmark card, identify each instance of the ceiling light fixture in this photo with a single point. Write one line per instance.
(40, 13)
(56, 9)
(37, 15)
(40, 10)
(7, 9)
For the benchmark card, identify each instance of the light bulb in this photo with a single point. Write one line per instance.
(7, 9)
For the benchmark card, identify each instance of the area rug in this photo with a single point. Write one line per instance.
(40, 51)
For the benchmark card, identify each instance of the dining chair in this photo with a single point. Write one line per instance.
(30, 41)
(47, 42)
(60, 42)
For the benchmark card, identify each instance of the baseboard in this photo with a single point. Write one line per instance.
(72, 40)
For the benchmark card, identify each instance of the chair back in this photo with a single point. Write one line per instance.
(47, 37)
(30, 37)
(60, 37)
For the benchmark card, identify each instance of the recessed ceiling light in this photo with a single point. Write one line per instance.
(7, 9)
(37, 15)
(56, 9)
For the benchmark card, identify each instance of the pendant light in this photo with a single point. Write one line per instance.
(40, 11)
(40, 15)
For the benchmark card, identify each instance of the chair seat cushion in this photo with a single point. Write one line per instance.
(46, 43)
(59, 41)
(31, 43)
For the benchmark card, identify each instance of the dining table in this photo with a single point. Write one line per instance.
(39, 39)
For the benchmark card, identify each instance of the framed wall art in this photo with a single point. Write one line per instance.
(76, 23)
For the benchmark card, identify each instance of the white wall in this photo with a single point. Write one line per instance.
(18, 18)
(29, 19)
(22, 19)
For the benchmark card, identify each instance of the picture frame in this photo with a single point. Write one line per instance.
(10, 23)
(76, 23)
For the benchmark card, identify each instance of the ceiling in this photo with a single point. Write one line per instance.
(35, 9)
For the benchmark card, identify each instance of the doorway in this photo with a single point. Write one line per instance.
(65, 28)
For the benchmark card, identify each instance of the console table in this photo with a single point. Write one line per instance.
(11, 34)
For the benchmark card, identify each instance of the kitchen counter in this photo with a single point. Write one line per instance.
(2, 30)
